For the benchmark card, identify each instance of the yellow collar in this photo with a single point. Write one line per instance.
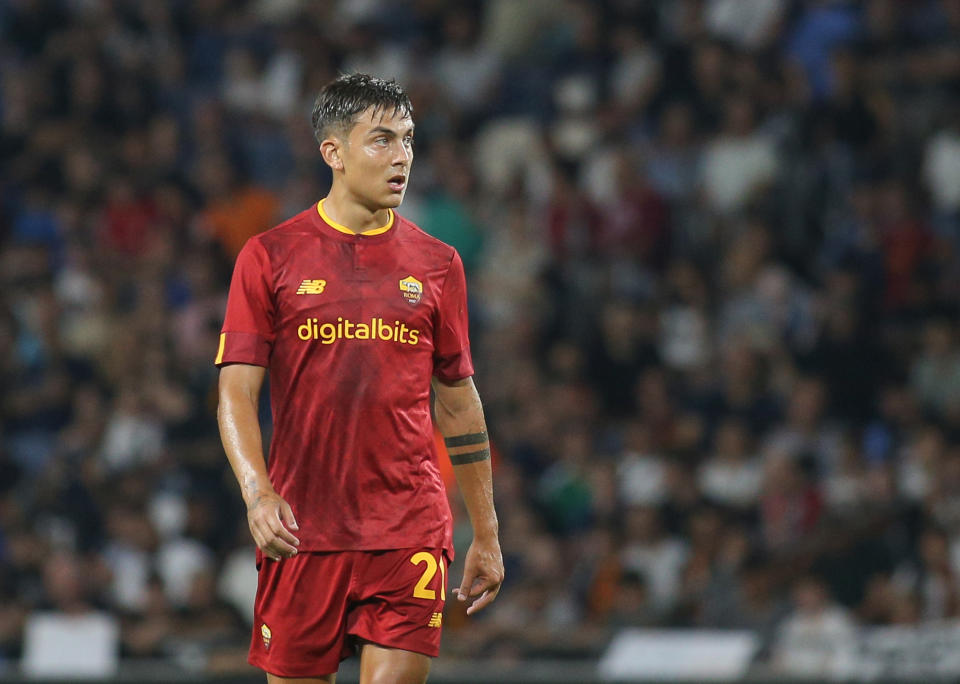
(343, 229)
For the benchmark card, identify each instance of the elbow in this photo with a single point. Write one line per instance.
(451, 409)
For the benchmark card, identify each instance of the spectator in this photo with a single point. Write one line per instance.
(732, 475)
(740, 161)
(649, 550)
(931, 577)
(935, 373)
(816, 639)
(941, 169)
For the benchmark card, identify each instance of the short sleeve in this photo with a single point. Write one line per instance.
(451, 341)
(247, 334)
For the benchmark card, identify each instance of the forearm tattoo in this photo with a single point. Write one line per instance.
(250, 490)
(470, 457)
(466, 440)
(256, 502)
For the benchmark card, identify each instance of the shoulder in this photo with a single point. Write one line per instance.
(278, 242)
(293, 228)
(430, 247)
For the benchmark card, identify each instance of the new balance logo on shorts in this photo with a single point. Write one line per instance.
(435, 620)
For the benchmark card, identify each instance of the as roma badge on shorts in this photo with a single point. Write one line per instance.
(411, 289)
(266, 634)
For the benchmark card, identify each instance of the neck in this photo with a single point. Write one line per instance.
(349, 212)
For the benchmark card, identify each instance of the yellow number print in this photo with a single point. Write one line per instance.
(443, 580)
(420, 591)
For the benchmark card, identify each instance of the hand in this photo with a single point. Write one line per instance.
(482, 574)
(271, 519)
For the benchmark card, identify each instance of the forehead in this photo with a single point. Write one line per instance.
(383, 117)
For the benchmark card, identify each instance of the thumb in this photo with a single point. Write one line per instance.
(286, 516)
(464, 591)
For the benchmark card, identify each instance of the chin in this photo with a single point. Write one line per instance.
(393, 201)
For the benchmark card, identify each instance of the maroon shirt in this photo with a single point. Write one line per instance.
(351, 328)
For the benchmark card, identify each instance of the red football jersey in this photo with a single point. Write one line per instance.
(351, 328)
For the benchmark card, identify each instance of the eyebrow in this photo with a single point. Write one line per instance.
(388, 131)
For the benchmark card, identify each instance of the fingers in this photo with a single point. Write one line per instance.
(272, 546)
(258, 538)
(486, 598)
(486, 588)
(482, 576)
(464, 591)
(286, 516)
(270, 534)
(281, 532)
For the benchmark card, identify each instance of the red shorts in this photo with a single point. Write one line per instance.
(311, 610)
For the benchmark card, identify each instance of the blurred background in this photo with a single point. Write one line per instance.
(712, 255)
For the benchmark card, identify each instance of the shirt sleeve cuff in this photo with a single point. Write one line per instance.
(455, 367)
(238, 347)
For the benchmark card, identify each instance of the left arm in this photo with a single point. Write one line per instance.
(459, 415)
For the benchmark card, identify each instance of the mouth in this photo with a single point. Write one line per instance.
(397, 183)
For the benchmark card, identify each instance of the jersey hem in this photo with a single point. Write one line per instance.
(421, 544)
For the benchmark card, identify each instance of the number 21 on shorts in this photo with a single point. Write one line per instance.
(421, 591)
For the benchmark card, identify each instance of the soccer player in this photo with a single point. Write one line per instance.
(355, 312)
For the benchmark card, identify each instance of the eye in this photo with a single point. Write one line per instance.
(408, 141)
(382, 140)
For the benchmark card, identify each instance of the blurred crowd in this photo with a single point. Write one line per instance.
(712, 248)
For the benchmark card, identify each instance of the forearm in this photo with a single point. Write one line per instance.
(476, 486)
(459, 416)
(242, 441)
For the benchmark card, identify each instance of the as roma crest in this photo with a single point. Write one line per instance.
(266, 634)
(411, 289)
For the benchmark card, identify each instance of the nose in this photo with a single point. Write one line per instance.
(402, 154)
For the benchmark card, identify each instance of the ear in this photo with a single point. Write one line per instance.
(330, 151)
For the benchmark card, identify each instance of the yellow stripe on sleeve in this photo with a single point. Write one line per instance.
(223, 341)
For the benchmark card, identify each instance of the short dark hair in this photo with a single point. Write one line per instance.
(341, 100)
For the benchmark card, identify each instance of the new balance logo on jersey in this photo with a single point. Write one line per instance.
(345, 329)
(308, 287)
(435, 620)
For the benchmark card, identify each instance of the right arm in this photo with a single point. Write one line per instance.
(269, 516)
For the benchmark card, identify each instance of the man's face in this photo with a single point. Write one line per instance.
(376, 157)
